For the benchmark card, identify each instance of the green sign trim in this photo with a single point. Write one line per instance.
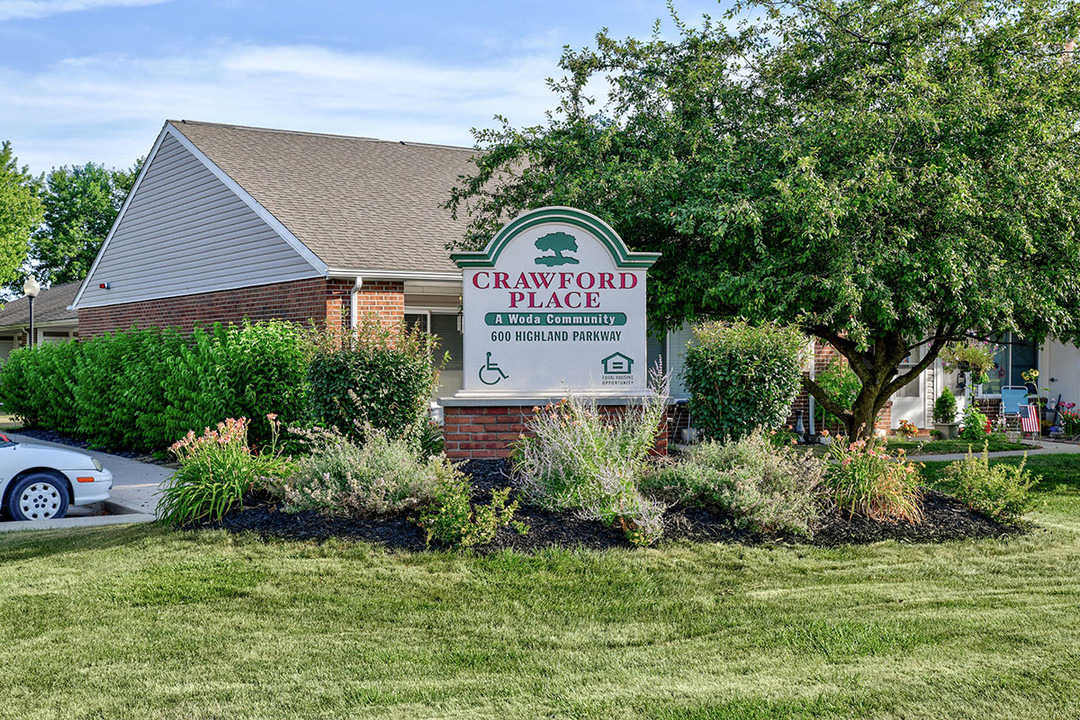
(563, 319)
(622, 257)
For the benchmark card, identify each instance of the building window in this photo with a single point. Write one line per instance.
(914, 388)
(445, 325)
(1015, 356)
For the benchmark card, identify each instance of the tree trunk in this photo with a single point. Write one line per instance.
(877, 368)
(864, 412)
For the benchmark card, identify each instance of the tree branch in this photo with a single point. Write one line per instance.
(819, 394)
(901, 380)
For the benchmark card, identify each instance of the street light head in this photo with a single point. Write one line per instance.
(31, 288)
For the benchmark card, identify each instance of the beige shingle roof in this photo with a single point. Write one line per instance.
(51, 305)
(357, 203)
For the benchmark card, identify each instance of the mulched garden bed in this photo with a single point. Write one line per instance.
(945, 518)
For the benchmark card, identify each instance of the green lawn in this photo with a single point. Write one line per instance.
(142, 623)
(941, 447)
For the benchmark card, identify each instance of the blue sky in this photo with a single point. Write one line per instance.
(93, 80)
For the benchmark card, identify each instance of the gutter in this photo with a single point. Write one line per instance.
(393, 275)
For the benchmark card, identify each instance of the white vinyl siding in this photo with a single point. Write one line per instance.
(677, 342)
(185, 232)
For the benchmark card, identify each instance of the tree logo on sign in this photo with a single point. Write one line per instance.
(558, 243)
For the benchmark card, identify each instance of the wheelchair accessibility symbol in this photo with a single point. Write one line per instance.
(491, 373)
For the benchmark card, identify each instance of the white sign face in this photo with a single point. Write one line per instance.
(554, 304)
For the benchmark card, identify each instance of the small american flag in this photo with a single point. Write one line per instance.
(1029, 419)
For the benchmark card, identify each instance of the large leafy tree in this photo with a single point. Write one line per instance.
(887, 175)
(20, 212)
(80, 203)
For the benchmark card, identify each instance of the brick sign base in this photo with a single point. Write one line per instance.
(489, 429)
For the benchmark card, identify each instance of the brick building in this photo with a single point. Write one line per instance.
(227, 222)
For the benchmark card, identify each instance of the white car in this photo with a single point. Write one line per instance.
(39, 482)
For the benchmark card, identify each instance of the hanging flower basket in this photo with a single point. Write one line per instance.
(969, 356)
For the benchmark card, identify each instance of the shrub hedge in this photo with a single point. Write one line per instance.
(119, 388)
(379, 377)
(742, 376)
(145, 389)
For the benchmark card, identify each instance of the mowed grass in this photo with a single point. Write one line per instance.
(138, 622)
(942, 447)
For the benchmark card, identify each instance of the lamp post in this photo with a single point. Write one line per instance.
(31, 288)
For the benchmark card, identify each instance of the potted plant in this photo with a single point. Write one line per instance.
(945, 415)
(969, 356)
(907, 430)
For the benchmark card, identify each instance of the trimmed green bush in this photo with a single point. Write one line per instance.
(945, 407)
(196, 383)
(378, 377)
(247, 370)
(144, 389)
(119, 389)
(16, 378)
(36, 385)
(742, 376)
(268, 365)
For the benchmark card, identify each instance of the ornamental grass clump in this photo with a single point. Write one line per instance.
(863, 479)
(384, 475)
(583, 459)
(217, 469)
(764, 487)
(389, 475)
(1001, 491)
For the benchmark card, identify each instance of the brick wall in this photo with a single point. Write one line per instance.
(383, 298)
(490, 432)
(990, 407)
(338, 304)
(314, 301)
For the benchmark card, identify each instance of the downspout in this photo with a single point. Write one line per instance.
(354, 303)
(811, 432)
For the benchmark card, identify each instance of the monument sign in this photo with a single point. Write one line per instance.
(554, 303)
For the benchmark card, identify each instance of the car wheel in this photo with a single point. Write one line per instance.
(38, 497)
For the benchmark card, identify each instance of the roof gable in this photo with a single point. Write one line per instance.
(357, 203)
(187, 228)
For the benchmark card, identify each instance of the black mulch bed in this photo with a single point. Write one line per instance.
(945, 518)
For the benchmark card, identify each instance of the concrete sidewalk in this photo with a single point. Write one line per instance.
(1046, 447)
(135, 493)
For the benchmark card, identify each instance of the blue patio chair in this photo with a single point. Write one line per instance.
(1012, 399)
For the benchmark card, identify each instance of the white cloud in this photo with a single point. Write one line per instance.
(32, 9)
(108, 108)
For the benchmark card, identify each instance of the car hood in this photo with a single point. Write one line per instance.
(31, 454)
